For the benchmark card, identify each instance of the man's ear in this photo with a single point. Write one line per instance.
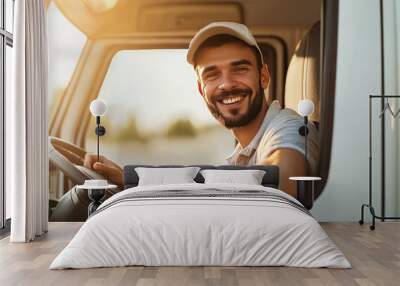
(265, 77)
(200, 88)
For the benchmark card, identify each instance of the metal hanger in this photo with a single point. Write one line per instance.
(388, 107)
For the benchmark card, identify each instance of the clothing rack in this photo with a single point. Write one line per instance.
(383, 217)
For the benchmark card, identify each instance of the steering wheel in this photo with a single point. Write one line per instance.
(69, 159)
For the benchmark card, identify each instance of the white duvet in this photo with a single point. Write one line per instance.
(185, 231)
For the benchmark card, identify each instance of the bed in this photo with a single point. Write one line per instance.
(201, 224)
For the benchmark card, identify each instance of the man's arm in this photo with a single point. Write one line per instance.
(290, 163)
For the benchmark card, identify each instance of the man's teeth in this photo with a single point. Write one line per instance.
(232, 100)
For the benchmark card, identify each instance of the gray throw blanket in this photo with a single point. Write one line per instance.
(205, 193)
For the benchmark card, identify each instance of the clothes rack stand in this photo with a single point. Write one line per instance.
(370, 205)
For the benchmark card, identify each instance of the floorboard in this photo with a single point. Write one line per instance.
(374, 255)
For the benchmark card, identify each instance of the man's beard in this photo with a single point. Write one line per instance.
(252, 112)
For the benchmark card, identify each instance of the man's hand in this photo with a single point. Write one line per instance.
(290, 163)
(104, 167)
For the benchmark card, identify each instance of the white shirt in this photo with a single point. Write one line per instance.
(279, 129)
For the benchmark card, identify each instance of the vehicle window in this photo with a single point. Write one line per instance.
(65, 45)
(156, 114)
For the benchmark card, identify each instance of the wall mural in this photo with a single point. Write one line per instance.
(212, 104)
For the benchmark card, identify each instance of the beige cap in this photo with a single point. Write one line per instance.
(237, 30)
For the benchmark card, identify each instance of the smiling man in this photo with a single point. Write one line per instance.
(232, 78)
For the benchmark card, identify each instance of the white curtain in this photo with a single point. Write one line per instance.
(26, 124)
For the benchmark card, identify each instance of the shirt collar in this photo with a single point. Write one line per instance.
(247, 151)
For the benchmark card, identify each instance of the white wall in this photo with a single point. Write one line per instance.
(391, 13)
(358, 75)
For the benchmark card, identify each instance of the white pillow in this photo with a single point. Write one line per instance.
(162, 176)
(248, 177)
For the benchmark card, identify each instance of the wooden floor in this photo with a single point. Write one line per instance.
(374, 255)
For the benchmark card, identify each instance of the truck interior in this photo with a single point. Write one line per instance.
(131, 54)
